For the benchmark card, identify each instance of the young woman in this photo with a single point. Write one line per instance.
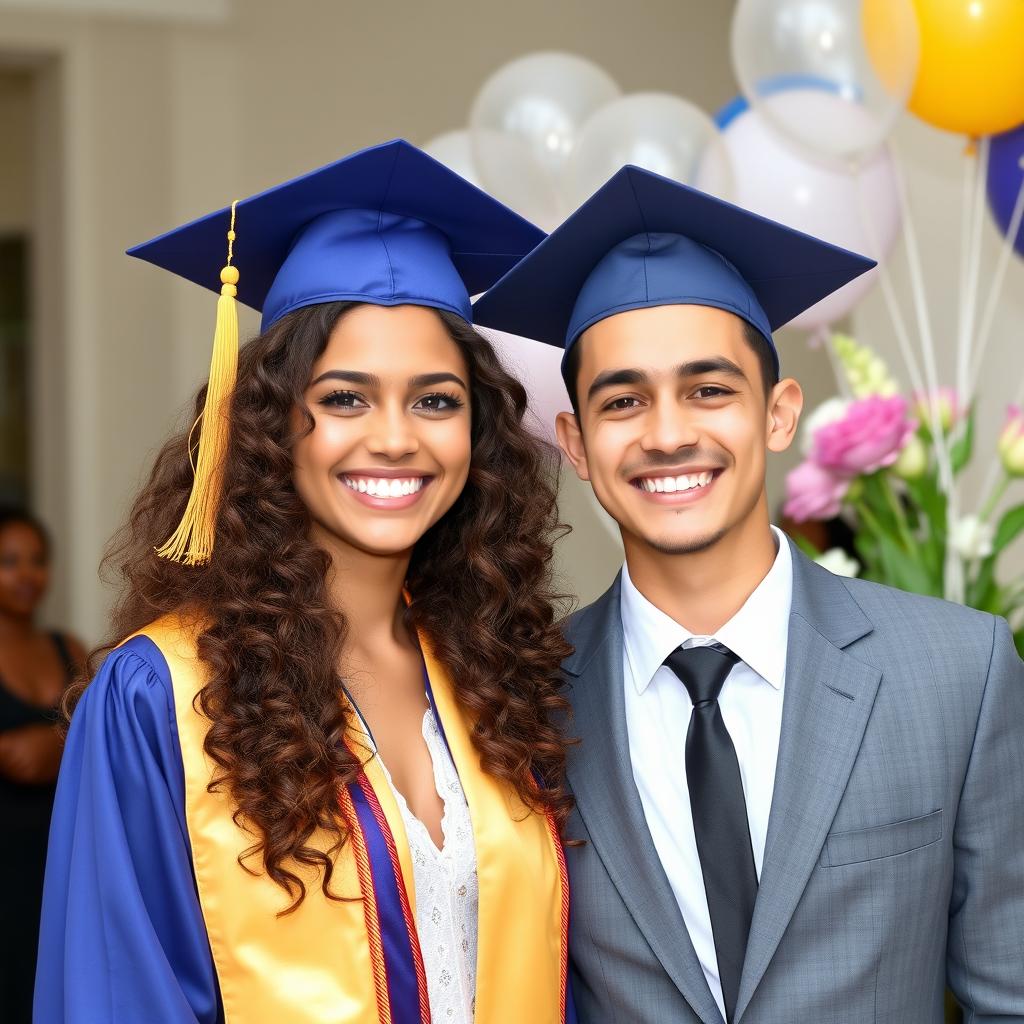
(319, 782)
(36, 665)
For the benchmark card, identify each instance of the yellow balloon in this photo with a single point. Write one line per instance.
(971, 76)
(891, 33)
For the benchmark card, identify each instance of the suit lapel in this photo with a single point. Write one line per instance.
(828, 699)
(601, 776)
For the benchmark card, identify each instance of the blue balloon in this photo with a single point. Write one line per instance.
(1005, 180)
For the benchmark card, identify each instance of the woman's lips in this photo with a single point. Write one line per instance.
(386, 492)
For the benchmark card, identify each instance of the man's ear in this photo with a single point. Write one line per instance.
(785, 404)
(570, 440)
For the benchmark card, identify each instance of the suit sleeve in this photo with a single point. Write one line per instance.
(122, 937)
(985, 952)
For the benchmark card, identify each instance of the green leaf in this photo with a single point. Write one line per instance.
(867, 552)
(929, 499)
(1009, 528)
(983, 592)
(874, 496)
(961, 452)
(809, 549)
(1018, 639)
(933, 555)
(904, 571)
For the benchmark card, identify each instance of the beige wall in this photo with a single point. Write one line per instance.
(15, 166)
(151, 120)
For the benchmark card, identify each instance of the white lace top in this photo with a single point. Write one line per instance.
(447, 895)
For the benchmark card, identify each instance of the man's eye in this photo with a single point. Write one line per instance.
(619, 404)
(711, 391)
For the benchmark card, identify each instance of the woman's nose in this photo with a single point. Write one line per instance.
(392, 433)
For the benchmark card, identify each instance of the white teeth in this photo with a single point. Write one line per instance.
(381, 487)
(671, 484)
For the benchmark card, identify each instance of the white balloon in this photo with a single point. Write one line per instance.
(783, 44)
(856, 210)
(657, 131)
(455, 151)
(516, 178)
(542, 101)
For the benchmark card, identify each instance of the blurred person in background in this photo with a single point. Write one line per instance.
(317, 779)
(36, 666)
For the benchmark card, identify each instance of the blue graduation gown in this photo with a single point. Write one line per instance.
(122, 936)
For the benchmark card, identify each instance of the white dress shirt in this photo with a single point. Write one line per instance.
(658, 715)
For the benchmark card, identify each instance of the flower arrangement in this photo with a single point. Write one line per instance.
(888, 465)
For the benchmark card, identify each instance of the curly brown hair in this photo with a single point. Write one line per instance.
(481, 589)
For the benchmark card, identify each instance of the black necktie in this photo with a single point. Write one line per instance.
(719, 811)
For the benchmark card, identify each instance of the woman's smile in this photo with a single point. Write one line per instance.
(386, 489)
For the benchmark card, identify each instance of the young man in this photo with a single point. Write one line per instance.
(802, 796)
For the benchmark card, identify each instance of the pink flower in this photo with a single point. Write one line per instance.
(1011, 441)
(870, 436)
(813, 493)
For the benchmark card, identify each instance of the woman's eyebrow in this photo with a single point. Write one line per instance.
(366, 380)
(426, 380)
(371, 380)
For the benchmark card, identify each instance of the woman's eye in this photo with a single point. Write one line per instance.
(343, 400)
(439, 402)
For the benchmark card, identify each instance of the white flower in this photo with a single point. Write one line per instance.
(837, 561)
(971, 538)
(832, 410)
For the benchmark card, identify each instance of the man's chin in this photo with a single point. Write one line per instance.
(685, 544)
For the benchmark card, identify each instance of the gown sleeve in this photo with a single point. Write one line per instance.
(122, 935)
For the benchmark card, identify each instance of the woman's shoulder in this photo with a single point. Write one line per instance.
(135, 670)
(142, 667)
(125, 719)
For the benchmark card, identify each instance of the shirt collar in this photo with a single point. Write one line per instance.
(758, 633)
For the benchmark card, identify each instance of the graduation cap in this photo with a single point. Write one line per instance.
(645, 240)
(387, 225)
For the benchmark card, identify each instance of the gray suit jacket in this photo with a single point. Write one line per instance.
(895, 850)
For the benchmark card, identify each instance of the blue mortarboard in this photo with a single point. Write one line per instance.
(388, 225)
(644, 240)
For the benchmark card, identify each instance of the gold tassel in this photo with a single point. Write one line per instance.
(192, 542)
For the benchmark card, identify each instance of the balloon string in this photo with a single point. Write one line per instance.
(966, 340)
(953, 569)
(1002, 265)
(970, 164)
(889, 292)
